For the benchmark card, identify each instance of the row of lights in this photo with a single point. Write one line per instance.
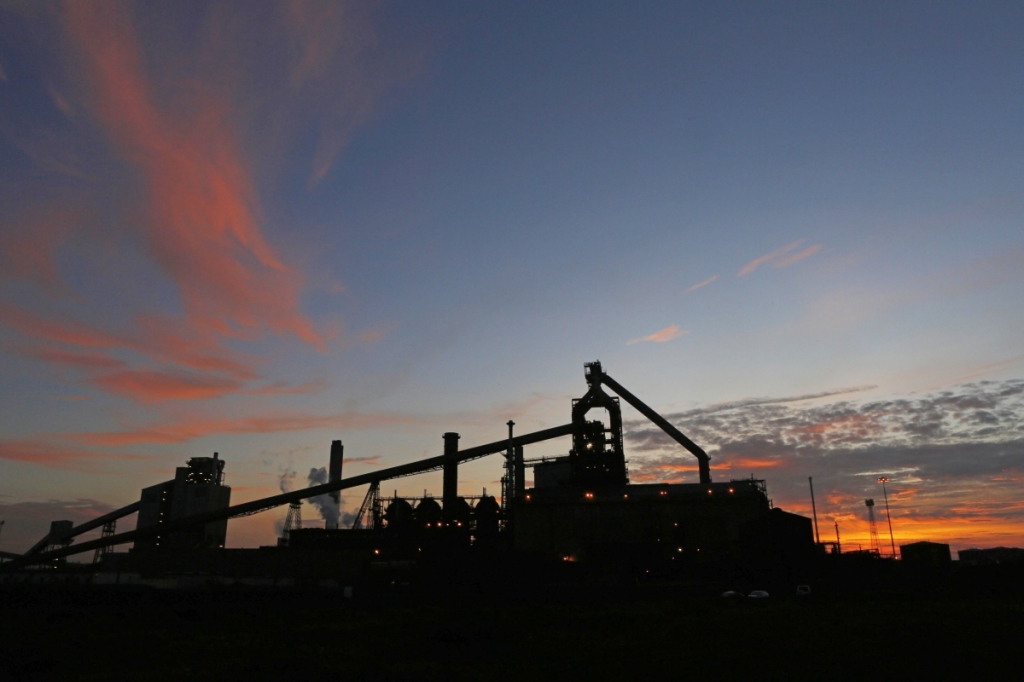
(663, 493)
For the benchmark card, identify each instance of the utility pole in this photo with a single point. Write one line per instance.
(839, 545)
(814, 511)
(883, 480)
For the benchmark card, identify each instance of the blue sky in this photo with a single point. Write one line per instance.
(256, 230)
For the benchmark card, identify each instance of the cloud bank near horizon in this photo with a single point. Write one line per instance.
(954, 457)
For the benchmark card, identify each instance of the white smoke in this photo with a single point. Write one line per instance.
(324, 504)
(286, 479)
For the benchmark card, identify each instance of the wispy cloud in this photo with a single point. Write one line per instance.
(700, 285)
(777, 257)
(27, 247)
(945, 452)
(336, 43)
(789, 260)
(67, 358)
(660, 336)
(182, 133)
(154, 336)
(50, 452)
(189, 429)
(203, 227)
(150, 386)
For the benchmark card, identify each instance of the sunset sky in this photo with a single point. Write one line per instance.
(795, 229)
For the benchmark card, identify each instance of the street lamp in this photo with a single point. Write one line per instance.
(883, 480)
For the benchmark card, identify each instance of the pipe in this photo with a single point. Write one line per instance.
(703, 461)
(266, 503)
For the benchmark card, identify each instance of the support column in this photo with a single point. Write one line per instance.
(451, 471)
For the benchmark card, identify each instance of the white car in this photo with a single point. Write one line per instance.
(758, 594)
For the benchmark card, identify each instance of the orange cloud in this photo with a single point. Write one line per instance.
(203, 227)
(158, 337)
(46, 453)
(151, 386)
(186, 430)
(57, 356)
(758, 262)
(661, 336)
(744, 463)
(789, 260)
(69, 331)
(700, 285)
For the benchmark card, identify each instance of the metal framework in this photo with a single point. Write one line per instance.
(369, 505)
(109, 528)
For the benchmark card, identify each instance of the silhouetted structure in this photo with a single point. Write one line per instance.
(992, 556)
(933, 556)
(198, 488)
(872, 526)
(582, 507)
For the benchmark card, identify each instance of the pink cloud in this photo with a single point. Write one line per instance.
(66, 358)
(150, 386)
(189, 429)
(661, 336)
(761, 260)
(701, 285)
(47, 453)
(203, 227)
(157, 337)
(789, 260)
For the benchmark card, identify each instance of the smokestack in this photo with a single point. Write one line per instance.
(334, 473)
(451, 471)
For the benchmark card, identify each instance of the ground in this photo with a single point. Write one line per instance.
(632, 634)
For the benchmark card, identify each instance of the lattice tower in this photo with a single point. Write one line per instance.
(294, 518)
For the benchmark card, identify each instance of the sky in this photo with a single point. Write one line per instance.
(795, 229)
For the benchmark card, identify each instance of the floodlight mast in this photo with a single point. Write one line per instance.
(892, 542)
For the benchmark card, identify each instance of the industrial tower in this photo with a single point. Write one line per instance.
(870, 504)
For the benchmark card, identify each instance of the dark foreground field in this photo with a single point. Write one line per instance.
(648, 632)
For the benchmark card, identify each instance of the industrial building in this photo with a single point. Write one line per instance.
(197, 488)
(581, 508)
